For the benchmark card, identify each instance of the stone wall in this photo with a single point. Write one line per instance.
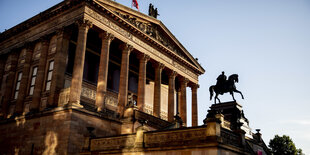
(60, 132)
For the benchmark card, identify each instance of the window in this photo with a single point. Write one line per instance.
(19, 78)
(33, 80)
(49, 75)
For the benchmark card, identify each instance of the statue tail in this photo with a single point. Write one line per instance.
(211, 92)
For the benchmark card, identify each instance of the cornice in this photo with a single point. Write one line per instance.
(43, 16)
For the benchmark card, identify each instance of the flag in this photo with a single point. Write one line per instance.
(135, 4)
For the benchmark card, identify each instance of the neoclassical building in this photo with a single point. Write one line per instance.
(92, 68)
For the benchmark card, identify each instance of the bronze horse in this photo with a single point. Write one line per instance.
(227, 86)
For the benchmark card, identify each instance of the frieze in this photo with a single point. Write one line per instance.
(173, 138)
(230, 138)
(113, 143)
(129, 36)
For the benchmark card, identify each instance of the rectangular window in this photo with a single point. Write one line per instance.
(19, 78)
(49, 75)
(33, 80)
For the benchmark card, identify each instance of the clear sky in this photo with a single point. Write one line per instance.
(266, 42)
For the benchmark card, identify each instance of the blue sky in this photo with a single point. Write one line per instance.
(266, 42)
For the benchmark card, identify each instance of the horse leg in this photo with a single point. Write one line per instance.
(239, 93)
(216, 98)
(232, 94)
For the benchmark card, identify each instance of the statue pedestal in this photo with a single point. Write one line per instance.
(234, 118)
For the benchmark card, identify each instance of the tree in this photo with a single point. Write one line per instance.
(283, 146)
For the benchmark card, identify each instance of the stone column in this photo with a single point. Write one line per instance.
(78, 68)
(123, 83)
(19, 107)
(103, 69)
(157, 93)
(36, 98)
(183, 84)
(10, 71)
(171, 101)
(2, 66)
(143, 58)
(194, 104)
(60, 62)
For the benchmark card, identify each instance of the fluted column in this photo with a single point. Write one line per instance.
(19, 107)
(143, 58)
(60, 61)
(36, 98)
(183, 84)
(78, 68)
(194, 88)
(10, 71)
(171, 100)
(123, 83)
(157, 93)
(106, 39)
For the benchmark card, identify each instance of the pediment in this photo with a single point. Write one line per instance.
(152, 27)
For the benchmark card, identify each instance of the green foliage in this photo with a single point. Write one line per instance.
(283, 146)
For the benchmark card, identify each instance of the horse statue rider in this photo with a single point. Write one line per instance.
(224, 86)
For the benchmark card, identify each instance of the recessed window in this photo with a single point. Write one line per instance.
(49, 75)
(19, 78)
(33, 80)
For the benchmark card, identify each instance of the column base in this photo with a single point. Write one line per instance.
(74, 105)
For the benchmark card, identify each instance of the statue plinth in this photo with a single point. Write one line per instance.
(233, 115)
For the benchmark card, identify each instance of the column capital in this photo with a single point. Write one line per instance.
(44, 40)
(28, 45)
(184, 81)
(143, 57)
(63, 32)
(158, 65)
(106, 36)
(126, 48)
(83, 23)
(194, 86)
(172, 74)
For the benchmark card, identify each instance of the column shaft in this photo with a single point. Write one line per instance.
(2, 66)
(157, 86)
(36, 98)
(9, 82)
(103, 69)
(143, 58)
(184, 82)
(194, 105)
(78, 68)
(60, 61)
(123, 84)
(171, 100)
(19, 107)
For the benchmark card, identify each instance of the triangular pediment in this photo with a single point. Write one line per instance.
(152, 27)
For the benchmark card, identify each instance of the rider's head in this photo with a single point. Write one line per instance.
(223, 73)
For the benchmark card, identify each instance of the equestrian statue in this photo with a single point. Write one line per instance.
(224, 86)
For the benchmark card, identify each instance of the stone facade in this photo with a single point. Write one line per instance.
(85, 69)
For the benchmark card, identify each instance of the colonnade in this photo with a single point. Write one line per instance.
(77, 77)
